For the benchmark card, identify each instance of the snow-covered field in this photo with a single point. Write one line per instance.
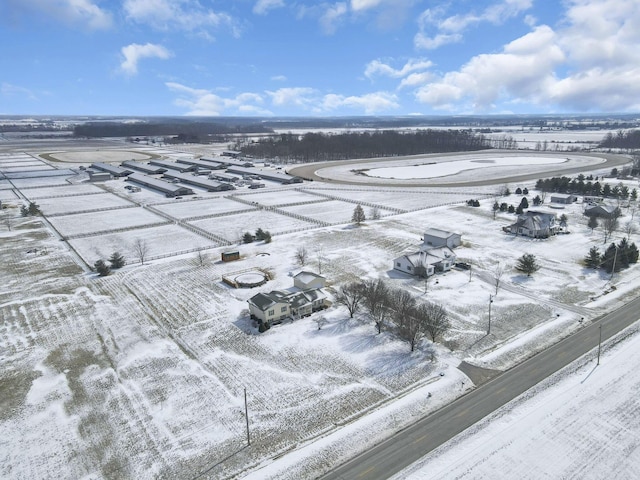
(142, 374)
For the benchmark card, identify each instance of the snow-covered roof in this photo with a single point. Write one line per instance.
(436, 232)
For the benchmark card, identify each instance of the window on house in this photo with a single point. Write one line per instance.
(283, 309)
(409, 268)
(271, 312)
(398, 264)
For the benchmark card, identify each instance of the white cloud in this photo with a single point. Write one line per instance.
(201, 102)
(415, 79)
(370, 103)
(83, 13)
(134, 53)
(186, 15)
(332, 17)
(279, 78)
(377, 67)
(262, 7)
(450, 29)
(294, 96)
(360, 5)
(9, 90)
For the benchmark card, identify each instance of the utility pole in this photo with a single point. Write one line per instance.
(490, 302)
(615, 255)
(469, 271)
(599, 345)
(246, 416)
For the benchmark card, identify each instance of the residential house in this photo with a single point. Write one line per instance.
(534, 224)
(564, 198)
(426, 262)
(269, 308)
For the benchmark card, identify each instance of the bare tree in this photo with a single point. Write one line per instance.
(375, 213)
(434, 319)
(629, 228)
(320, 321)
(140, 249)
(412, 329)
(497, 272)
(301, 256)
(351, 296)
(375, 301)
(7, 223)
(609, 225)
(401, 303)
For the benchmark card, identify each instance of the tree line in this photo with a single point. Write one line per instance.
(629, 139)
(388, 307)
(192, 130)
(585, 186)
(387, 143)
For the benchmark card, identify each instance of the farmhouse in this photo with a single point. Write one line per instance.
(564, 198)
(277, 305)
(169, 189)
(534, 224)
(112, 169)
(434, 237)
(425, 263)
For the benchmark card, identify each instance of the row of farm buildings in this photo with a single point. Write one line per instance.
(213, 175)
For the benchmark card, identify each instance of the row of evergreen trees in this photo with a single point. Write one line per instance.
(580, 186)
(615, 257)
(115, 261)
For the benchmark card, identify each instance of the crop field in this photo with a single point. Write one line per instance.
(80, 203)
(64, 190)
(330, 211)
(279, 197)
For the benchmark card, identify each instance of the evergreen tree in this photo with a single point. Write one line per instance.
(592, 260)
(496, 207)
(525, 191)
(524, 203)
(358, 216)
(610, 258)
(537, 200)
(34, 208)
(503, 207)
(248, 238)
(511, 209)
(266, 238)
(518, 191)
(563, 220)
(593, 223)
(102, 268)
(259, 234)
(519, 210)
(528, 264)
(116, 260)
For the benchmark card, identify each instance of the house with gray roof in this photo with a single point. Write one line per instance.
(434, 237)
(534, 224)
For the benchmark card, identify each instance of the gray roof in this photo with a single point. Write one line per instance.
(210, 185)
(112, 169)
(160, 185)
(180, 167)
(265, 175)
(436, 232)
(143, 167)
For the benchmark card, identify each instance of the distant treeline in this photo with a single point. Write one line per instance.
(320, 146)
(192, 131)
(585, 186)
(629, 139)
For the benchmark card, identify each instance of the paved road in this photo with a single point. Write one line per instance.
(399, 451)
(309, 170)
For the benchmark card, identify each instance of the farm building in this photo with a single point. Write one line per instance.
(180, 167)
(98, 176)
(230, 256)
(169, 189)
(112, 169)
(308, 280)
(534, 224)
(213, 163)
(231, 153)
(563, 198)
(201, 164)
(237, 163)
(434, 237)
(224, 177)
(143, 167)
(209, 185)
(602, 211)
(274, 176)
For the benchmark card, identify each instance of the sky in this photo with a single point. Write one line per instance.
(304, 58)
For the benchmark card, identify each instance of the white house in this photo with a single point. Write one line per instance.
(425, 263)
(273, 307)
(534, 224)
(434, 237)
(269, 308)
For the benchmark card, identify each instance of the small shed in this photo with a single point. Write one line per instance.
(308, 280)
(98, 176)
(230, 256)
(565, 198)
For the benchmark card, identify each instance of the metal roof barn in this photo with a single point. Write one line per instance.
(276, 177)
(112, 169)
(209, 185)
(169, 189)
(143, 167)
(200, 163)
(180, 167)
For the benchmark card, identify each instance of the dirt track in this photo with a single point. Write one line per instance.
(308, 171)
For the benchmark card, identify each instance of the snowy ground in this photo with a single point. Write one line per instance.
(142, 374)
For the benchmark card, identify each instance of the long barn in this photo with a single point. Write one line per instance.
(112, 169)
(209, 185)
(180, 167)
(169, 189)
(273, 176)
(143, 167)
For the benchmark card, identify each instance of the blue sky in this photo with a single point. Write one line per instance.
(302, 58)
